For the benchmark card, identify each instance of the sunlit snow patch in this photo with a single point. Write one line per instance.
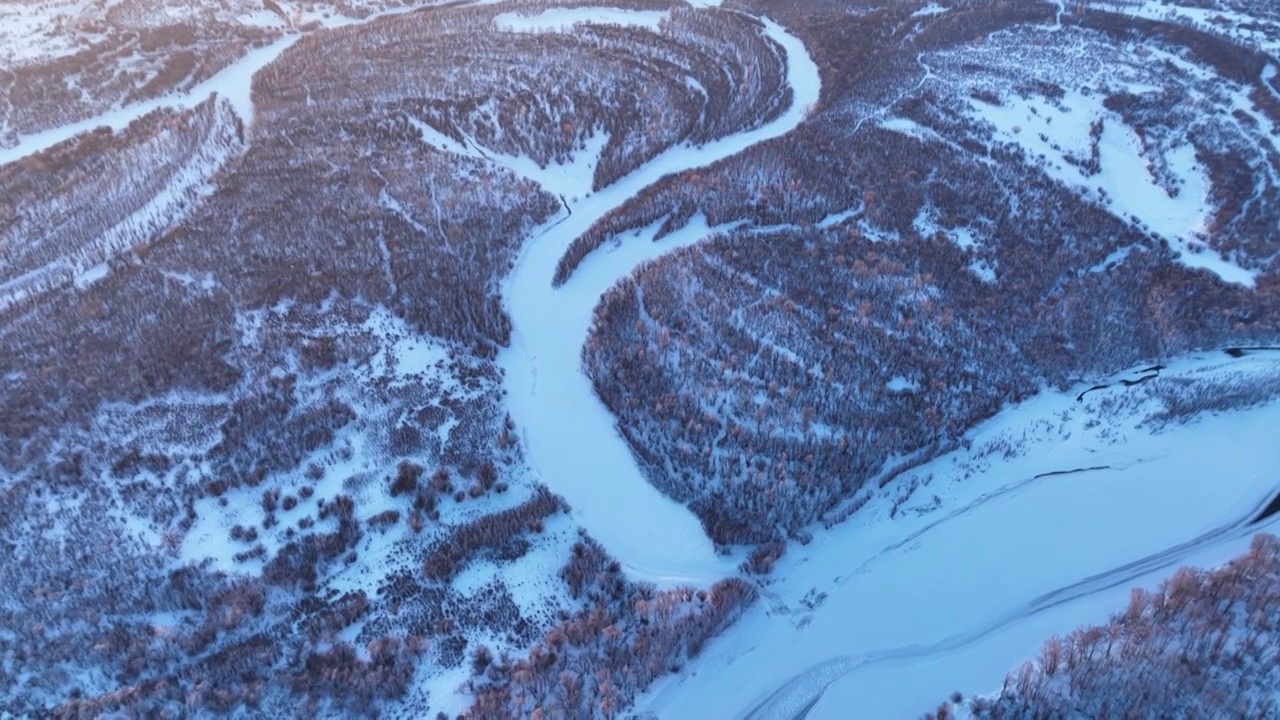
(1050, 131)
(930, 9)
(92, 275)
(354, 465)
(901, 384)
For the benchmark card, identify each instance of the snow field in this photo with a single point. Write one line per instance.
(354, 469)
(1249, 30)
(1030, 531)
(572, 180)
(1125, 185)
(1154, 180)
(27, 31)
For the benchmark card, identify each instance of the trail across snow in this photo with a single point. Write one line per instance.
(569, 435)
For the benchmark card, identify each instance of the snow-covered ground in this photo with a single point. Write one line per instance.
(563, 19)
(1244, 28)
(34, 31)
(1146, 177)
(1054, 512)
(26, 32)
(168, 207)
(569, 435)
(233, 83)
(356, 468)
(1125, 186)
(1031, 531)
(571, 180)
(232, 86)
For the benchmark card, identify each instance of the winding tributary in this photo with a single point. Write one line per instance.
(571, 439)
(233, 83)
(573, 445)
(569, 436)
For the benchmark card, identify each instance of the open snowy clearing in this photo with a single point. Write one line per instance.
(26, 32)
(355, 468)
(572, 180)
(569, 435)
(1054, 105)
(1124, 185)
(1244, 28)
(1031, 531)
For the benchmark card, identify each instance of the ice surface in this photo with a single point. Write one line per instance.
(1058, 508)
(569, 434)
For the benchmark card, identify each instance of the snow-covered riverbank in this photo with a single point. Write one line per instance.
(569, 435)
(234, 83)
(1045, 523)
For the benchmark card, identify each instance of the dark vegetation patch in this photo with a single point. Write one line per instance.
(765, 356)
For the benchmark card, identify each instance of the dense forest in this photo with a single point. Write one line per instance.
(875, 295)
(1202, 644)
(259, 355)
(255, 456)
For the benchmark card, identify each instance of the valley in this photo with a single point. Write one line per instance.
(652, 359)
